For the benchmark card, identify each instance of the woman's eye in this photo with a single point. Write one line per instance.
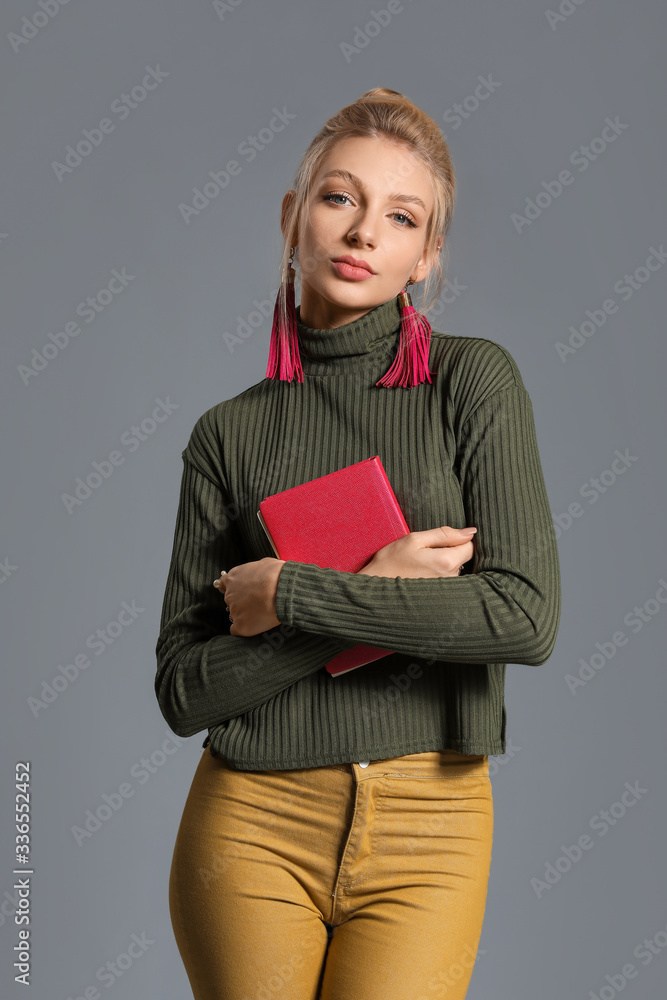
(397, 215)
(335, 194)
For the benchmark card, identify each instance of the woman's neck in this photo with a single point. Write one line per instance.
(367, 342)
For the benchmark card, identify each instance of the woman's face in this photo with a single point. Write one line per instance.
(371, 200)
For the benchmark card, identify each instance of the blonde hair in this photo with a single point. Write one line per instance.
(385, 114)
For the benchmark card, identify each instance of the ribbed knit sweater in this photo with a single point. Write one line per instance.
(461, 450)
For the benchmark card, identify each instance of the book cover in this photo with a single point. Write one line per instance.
(337, 521)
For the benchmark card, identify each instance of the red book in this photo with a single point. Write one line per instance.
(337, 521)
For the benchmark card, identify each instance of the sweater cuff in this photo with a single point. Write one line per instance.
(287, 581)
(295, 581)
(284, 599)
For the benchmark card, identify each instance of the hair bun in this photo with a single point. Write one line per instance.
(381, 92)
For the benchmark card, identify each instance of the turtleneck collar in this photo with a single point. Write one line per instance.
(368, 344)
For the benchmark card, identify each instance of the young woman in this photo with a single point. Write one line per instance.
(336, 839)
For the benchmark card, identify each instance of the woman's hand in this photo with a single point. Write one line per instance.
(249, 590)
(435, 552)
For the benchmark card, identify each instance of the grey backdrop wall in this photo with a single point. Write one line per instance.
(131, 283)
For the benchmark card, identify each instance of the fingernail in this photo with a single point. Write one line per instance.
(469, 531)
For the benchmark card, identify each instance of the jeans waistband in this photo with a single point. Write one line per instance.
(429, 763)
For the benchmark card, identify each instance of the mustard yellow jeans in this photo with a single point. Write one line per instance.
(361, 881)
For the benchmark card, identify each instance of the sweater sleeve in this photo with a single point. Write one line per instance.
(205, 675)
(507, 609)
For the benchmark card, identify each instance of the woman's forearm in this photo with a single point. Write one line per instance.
(507, 610)
(205, 675)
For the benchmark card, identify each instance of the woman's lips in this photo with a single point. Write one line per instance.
(348, 271)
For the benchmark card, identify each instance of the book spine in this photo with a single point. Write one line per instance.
(268, 533)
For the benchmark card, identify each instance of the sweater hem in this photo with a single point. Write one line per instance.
(347, 755)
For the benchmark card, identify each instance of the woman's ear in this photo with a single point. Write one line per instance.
(425, 263)
(287, 201)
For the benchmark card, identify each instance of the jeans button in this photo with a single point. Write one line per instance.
(364, 763)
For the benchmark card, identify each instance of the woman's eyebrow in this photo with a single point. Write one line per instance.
(351, 178)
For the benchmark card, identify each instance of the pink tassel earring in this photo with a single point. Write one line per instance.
(410, 365)
(284, 358)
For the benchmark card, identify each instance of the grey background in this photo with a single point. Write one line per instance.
(163, 337)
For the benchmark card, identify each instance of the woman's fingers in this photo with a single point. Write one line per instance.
(445, 535)
(448, 559)
(465, 551)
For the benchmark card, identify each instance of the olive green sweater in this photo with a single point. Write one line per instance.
(460, 450)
